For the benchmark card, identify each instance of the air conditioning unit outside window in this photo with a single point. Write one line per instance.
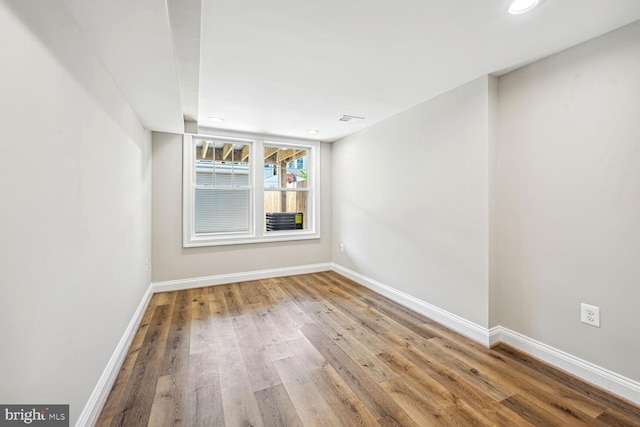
(277, 221)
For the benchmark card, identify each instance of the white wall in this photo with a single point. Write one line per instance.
(569, 199)
(75, 209)
(410, 199)
(171, 261)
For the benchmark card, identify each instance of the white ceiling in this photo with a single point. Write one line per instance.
(282, 67)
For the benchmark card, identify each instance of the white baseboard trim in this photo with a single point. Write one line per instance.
(450, 320)
(198, 282)
(91, 411)
(594, 374)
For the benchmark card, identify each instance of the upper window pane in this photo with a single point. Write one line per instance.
(222, 163)
(285, 167)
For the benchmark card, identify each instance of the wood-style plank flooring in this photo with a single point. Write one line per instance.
(319, 349)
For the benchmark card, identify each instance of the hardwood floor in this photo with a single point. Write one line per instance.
(319, 349)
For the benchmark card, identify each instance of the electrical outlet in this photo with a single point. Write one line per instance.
(590, 314)
(341, 247)
(146, 264)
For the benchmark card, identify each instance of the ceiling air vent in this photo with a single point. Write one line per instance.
(348, 118)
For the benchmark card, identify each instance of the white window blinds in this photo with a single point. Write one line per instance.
(221, 210)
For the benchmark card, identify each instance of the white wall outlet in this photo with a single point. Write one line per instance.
(590, 314)
(341, 247)
(146, 264)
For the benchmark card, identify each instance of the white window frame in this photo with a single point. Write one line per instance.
(257, 233)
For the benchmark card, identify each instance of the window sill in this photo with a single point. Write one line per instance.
(280, 236)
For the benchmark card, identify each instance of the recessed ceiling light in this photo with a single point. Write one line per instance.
(216, 119)
(518, 7)
(313, 131)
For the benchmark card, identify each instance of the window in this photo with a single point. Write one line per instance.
(240, 190)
